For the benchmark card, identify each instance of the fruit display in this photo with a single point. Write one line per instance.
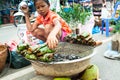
(84, 38)
(43, 53)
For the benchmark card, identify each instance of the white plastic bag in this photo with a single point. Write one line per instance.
(25, 36)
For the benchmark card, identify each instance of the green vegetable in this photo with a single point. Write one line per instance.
(75, 14)
(27, 56)
(22, 47)
(31, 56)
(46, 57)
(46, 49)
(62, 79)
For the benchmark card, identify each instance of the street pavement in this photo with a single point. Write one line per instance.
(8, 32)
(108, 69)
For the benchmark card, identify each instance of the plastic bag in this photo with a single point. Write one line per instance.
(18, 61)
(25, 36)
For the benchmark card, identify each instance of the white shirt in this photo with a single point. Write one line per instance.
(55, 4)
(105, 13)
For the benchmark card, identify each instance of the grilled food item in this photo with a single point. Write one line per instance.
(84, 38)
(42, 53)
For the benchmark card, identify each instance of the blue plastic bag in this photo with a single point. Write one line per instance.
(96, 29)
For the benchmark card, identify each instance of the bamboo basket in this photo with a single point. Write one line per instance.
(66, 68)
(3, 56)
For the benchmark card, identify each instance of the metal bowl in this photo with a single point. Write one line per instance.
(68, 67)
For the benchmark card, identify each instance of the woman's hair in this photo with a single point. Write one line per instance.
(43, 0)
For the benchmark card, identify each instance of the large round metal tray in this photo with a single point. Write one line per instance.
(69, 67)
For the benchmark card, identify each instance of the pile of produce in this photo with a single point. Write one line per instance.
(43, 53)
(85, 38)
(90, 73)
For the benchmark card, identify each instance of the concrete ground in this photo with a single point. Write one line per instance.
(108, 69)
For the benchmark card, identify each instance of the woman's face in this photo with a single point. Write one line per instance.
(42, 7)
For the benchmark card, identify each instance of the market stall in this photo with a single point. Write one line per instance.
(7, 8)
(71, 57)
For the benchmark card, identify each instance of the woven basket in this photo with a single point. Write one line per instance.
(3, 56)
(66, 68)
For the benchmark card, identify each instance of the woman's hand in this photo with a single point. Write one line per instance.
(52, 41)
(24, 9)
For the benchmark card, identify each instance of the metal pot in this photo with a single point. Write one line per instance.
(66, 68)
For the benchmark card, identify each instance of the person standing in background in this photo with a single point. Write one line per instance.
(97, 7)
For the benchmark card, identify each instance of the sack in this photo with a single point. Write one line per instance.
(17, 60)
